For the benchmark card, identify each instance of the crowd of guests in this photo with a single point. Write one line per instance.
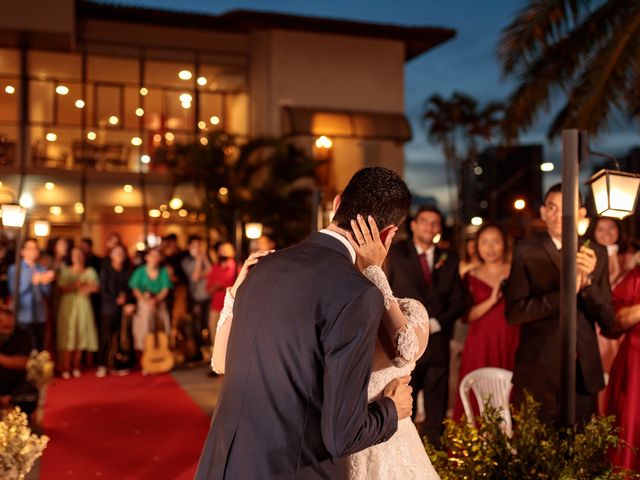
(87, 310)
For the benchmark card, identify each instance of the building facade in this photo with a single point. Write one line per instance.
(93, 96)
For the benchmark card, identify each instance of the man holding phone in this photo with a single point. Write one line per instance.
(532, 296)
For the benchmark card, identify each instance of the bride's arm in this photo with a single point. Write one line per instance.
(405, 322)
(223, 328)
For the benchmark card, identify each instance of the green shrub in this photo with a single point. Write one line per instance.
(534, 451)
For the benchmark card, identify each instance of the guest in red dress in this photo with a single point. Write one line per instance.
(608, 233)
(491, 341)
(623, 399)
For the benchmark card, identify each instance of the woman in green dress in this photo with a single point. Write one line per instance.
(76, 326)
(150, 284)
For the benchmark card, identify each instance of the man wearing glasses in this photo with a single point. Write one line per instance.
(532, 298)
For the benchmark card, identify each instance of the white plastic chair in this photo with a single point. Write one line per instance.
(488, 383)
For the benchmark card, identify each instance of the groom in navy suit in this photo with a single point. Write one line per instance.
(300, 352)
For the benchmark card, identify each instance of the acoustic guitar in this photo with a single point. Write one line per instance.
(122, 355)
(156, 356)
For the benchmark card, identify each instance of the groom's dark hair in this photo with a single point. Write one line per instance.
(374, 191)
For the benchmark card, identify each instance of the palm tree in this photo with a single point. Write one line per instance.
(586, 51)
(458, 125)
(265, 180)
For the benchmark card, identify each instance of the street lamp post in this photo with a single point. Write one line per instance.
(568, 304)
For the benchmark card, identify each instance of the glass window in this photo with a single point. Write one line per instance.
(41, 100)
(153, 111)
(211, 110)
(169, 74)
(218, 79)
(62, 66)
(9, 97)
(69, 106)
(52, 146)
(179, 109)
(8, 144)
(9, 61)
(112, 69)
(107, 111)
(131, 105)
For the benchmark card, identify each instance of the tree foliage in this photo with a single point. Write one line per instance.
(585, 51)
(265, 180)
(534, 451)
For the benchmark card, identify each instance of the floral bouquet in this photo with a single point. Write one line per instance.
(19, 448)
(40, 368)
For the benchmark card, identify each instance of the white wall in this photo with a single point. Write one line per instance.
(333, 72)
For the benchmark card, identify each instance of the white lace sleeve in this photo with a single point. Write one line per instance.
(220, 344)
(407, 343)
(377, 276)
(227, 310)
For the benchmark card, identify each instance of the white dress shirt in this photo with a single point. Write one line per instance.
(342, 239)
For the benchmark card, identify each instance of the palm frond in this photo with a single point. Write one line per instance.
(558, 67)
(605, 83)
(536, 26)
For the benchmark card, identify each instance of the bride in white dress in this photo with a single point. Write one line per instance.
(402, 339)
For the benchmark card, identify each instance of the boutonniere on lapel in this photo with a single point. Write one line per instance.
(443, 258)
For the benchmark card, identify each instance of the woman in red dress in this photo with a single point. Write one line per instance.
(608, 233)
(491, 341)
(623, 399)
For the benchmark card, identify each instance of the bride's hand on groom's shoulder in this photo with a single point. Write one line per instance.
(399, 391)
(366, 240)
(246, 266)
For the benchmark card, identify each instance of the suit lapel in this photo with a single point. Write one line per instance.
(552, 251)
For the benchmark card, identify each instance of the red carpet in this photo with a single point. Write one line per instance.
(130, 427)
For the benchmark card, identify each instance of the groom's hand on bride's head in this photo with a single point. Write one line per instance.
(399, 391)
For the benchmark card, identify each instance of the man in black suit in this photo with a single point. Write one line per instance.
(300, 352)
(417, 268)
(532, 296)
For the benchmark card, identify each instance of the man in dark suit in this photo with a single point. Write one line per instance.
(417, 268)
(300, 352)
(532, 296)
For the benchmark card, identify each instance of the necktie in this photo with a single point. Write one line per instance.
(426, 271)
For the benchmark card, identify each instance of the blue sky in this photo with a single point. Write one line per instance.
(467, 64)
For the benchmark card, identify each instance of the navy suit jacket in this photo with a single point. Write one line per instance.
(299, 358)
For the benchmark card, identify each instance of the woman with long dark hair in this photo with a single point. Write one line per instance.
(491, 341)
(116, 299)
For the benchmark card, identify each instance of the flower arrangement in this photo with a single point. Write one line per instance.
(534, 450)
(19, 448)
(40, 368)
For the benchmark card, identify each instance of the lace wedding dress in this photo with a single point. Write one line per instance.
(403, 456)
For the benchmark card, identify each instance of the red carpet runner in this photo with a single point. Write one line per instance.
(131, 427)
